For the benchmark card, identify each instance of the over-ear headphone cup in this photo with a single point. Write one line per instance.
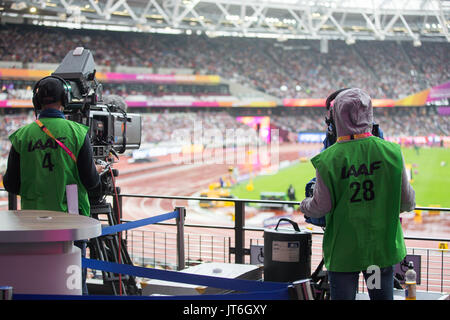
(36, 103)
(331, 130)
(64, 98)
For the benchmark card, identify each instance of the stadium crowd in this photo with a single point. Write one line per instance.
(293, 69)
(23, 89)
(303, 120)
(423, 121)
(159, 126)
(395, 122)
(8, 124)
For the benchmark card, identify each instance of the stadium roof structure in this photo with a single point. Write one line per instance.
(349, 20)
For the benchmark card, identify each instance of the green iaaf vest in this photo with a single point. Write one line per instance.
(46, 169)
(363, 227)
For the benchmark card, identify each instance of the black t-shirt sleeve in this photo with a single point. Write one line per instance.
(11, 179)
(86, 166)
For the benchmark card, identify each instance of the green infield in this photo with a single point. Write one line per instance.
(430, 169)
(431, 175)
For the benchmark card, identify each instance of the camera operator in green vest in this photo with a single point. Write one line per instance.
(361, 189)
(50, 154)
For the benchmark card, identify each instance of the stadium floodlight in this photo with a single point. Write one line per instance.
(350, 40)
(282, 38)
(18, 6)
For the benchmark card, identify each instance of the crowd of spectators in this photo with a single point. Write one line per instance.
(160, 126)
(293, 69)
(166, 126)
(302, 120)
(16, 89)
(394, 122)
(20, 89)
(8, 124)
(423, 121)
(391, 63)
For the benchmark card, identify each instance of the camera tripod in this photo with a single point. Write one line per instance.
(110, 248)
(320, 283)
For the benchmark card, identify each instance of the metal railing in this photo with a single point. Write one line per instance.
(159, 250)
(239, 218)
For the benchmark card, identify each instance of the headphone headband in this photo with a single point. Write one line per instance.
(331, 129)
(65, 95)
(333, 96)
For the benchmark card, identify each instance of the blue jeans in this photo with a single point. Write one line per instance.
(343, 285)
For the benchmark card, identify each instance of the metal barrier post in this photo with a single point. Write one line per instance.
(181, 261)
(239, 232)
(301, 290)
(12, 201)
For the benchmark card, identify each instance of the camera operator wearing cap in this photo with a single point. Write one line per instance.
(50, 154)
(361, 188)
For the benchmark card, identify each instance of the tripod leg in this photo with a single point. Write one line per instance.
(106, 248)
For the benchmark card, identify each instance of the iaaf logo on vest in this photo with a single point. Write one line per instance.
(362, 170)
(39, 145)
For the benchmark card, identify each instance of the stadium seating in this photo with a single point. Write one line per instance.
(295, 69)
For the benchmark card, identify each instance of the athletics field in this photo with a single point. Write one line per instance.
(430, 169)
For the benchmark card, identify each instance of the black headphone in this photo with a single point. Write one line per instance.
(65, 94)
(331, 127)
(333, 96)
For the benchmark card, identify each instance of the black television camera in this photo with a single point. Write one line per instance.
(112, 130)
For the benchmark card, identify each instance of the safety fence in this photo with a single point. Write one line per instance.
(155, 249)
(158, 248)
(150, 249)
(239, 289)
